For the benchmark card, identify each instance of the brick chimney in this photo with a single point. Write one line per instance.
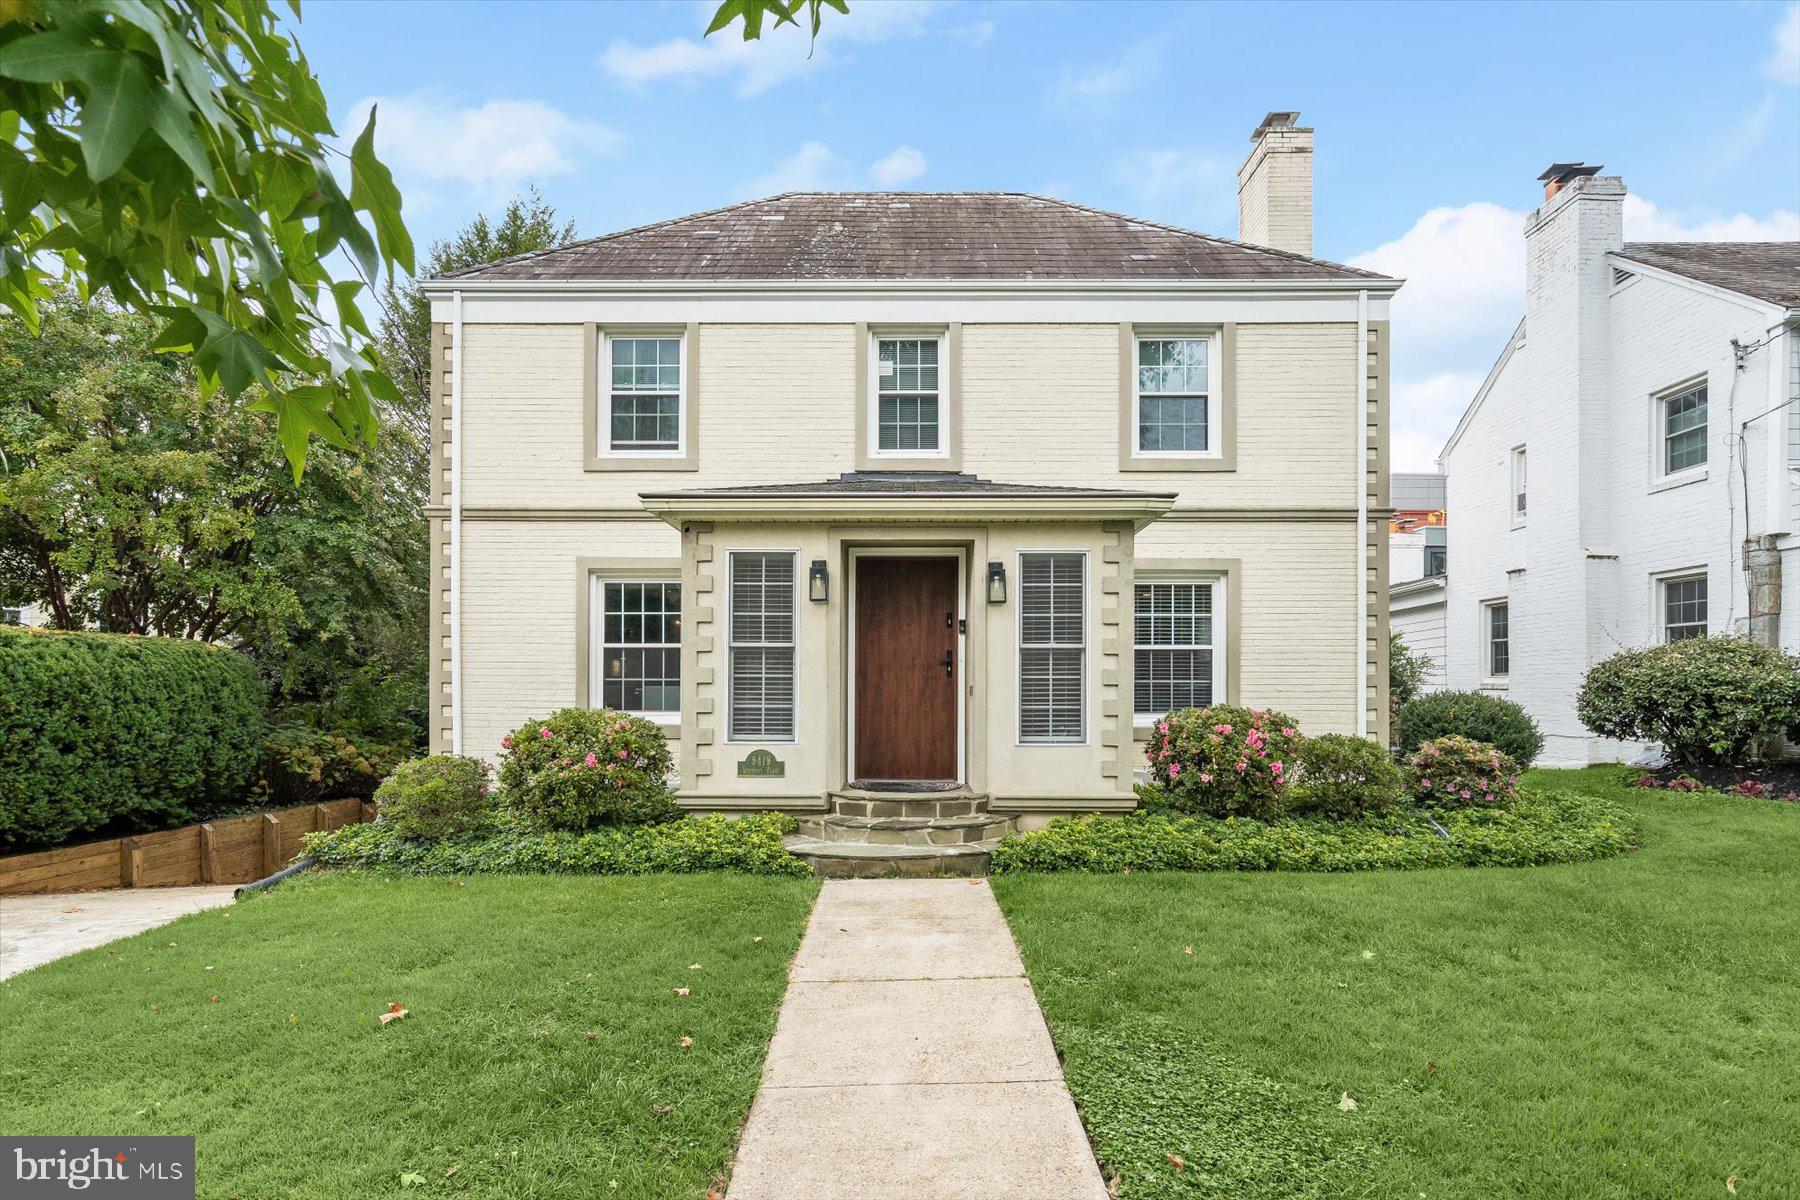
(1275, 189)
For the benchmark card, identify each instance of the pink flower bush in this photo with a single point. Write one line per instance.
(1459, 772)
(584, 768)
(1224, 761)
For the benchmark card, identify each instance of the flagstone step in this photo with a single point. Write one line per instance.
(907, 831)
(865, 860)
(858, 802)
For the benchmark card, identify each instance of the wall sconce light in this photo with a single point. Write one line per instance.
(996, 580)
(817, 585)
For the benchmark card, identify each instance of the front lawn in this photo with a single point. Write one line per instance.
(542, 1055)
(1622, 1028)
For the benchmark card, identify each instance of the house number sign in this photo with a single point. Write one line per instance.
(760, 764)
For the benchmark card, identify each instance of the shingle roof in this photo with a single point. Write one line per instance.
(905, 483)
(909, 235)
(1766, 270)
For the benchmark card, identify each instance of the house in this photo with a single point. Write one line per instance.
(958, 491)
(1626, 473)
(1418, 556)
(20, 614)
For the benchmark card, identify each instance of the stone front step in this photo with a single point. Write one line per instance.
(907, 831)
(855, 802)
(862, 860)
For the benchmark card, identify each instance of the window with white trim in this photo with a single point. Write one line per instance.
(1052, 647)
(1518, 485)
(1175, 628)
(11, 616)
(638, 647)
(909, 397)
(1177, 395)
(762, 646)
(1683, 607)
(1681, 418)
(1496, 622)
(644, 395)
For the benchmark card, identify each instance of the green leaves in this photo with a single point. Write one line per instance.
(751, 13)
(372, 190)
(115, 115)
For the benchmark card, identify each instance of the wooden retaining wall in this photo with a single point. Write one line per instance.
(231, 850)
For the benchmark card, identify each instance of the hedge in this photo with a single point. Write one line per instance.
(750, 844)
(1540, 827)
(101, 729)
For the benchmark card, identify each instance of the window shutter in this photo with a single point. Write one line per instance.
(762, 646)
(1052, 647)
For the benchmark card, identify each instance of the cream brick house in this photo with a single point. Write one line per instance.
(953, 491)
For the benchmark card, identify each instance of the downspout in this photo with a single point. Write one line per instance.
(455, 547)
(1362, 514)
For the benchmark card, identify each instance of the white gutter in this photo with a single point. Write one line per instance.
(455, 547)
(1362, 514)
(791, 287)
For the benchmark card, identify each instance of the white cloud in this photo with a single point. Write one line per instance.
(1645, 222)
(1425, 411)
(781, 54)
(1783, 63)
(1191, 187)
(811, 168)
(1099, 85)
(491, 148)
(903, 165)
(975, 35)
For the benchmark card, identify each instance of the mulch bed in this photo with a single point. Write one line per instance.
(1774, 781)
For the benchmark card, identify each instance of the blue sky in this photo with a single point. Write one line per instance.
(1433, 122)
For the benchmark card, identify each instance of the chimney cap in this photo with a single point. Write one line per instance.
(1563, 172)
(1279, 119)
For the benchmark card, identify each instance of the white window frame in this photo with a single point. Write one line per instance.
(1659, 599)
(598, 581)
(604, 394)
(1660, 475)
(732, 645)
(1020, 646)
(1220, 632)
(1518, 490)
(878, 336)
(1490, 677)
(1214, 397)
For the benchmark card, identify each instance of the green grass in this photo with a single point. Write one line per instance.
(1622, 1028)
(296, 1090)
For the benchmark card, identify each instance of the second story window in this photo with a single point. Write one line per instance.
(1175, 394)
(1682, 421)
(644, 405)
(1518, 485)
(908, 396)
(1436, 551)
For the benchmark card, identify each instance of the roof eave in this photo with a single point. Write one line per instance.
(675, 508)
(444, 287)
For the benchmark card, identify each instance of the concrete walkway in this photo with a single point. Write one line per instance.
(911, 1060)
(37, 929)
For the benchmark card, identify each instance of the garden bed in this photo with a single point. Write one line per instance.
(1542, 826)
(1770, 781)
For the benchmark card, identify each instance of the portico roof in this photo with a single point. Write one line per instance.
(908, 496)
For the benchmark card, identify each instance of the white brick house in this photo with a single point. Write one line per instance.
(1628, 465)
(858, 491)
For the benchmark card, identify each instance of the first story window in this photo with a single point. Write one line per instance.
(11, 616)
(1174, 631)
(1495, 620)
(1682, 418)
(640, 647)
(762, 646)
(1175, 394)
(644, 405)
(1052, 647)
(908, 395)
(1683, 607)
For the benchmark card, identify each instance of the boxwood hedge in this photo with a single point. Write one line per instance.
(101, 729)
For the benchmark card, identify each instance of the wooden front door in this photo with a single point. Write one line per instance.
(907, 672)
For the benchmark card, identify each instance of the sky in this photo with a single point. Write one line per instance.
(1433, 122)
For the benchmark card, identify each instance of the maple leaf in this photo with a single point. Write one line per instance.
(1176, 1161)
(662, 1110)
(1346, 1104)
(394, 1013)
(757, 938)
(693, 966)
(686, 1042)
(1731, 1184)
(1188, 950)
(454, 1168)
(212, 999)
(681, 991)
(590, 1036)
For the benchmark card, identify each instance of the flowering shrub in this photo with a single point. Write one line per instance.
(1457, 772)
(1224, 761)
(586, 767)
(1339, 776)
(437, 797)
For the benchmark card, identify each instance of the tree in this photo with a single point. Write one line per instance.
(176, 156)
(1408, 670)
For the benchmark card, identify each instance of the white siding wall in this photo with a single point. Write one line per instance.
(1421, 623)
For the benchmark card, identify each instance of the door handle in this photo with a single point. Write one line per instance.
(948, 662)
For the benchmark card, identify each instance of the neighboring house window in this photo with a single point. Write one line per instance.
(1496, 621)
(1518, 485)
(762, 646)
(1436, 552)
(908, 396)
(1052, 647)
(1176, 395)
(12, 616)
(1175, 636)
(1683, 608)
(640, 647)
(645, 395)
(1683, 423)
